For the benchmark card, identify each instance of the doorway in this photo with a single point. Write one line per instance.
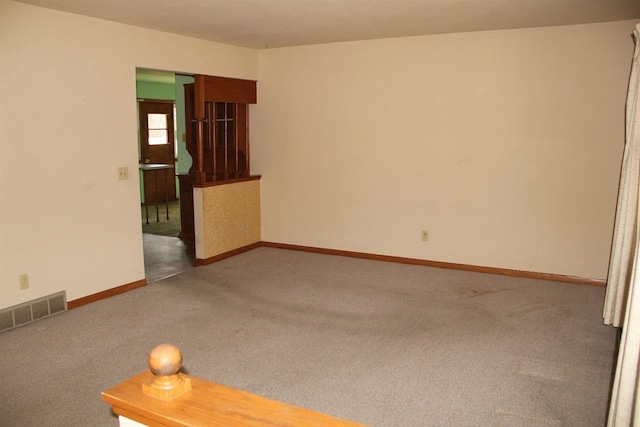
(160, 120)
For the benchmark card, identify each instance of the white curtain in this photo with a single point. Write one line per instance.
(622, 301)
(625, 232)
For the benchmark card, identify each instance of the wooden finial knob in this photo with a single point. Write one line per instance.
(165, 361)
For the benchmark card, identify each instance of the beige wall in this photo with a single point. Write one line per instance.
(505, 145)
(227, 217)
(67, 122)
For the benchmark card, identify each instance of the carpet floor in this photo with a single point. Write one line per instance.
(379, 343)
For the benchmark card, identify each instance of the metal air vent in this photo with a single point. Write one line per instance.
(29, 311)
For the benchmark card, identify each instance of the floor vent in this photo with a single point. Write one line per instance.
(27, 312)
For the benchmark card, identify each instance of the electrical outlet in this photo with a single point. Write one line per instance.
(425, 235)
(24, 281)
(123, 173)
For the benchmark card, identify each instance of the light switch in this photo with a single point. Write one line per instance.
(123, 173)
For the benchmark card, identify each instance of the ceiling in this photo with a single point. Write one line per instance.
(261, 24)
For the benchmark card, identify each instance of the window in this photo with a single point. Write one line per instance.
(158, 133)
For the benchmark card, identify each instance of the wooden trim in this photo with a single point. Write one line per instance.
(211, 260)
(199, 96)
(228, 181)
(225, 89)
(199, 117)
(106, 294)
(363, 255)
(247, 145)
(448, 265)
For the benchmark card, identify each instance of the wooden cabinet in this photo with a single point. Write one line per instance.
(217, 137)
(187, 232)
(220, 106)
